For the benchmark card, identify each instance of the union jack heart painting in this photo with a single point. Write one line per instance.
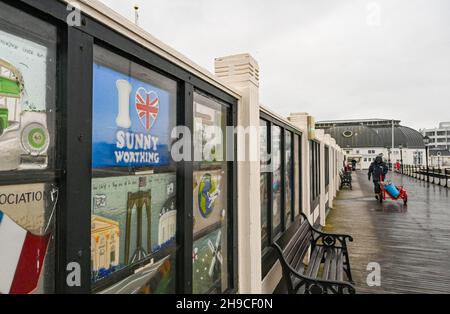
(147, 107)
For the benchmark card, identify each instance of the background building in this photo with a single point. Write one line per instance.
(439, 137)
(362, 140)
(439, 158)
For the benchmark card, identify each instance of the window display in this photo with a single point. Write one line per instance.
(27, 91)
(134, 111)
(27, 220)
(264, 181)
(210, 258)
(27, 118)
(133, 217)
(288, 179)
(297, 177)
(134, 206)
(276, 182)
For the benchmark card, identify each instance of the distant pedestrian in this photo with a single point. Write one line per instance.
(398, 166)
(378, 171)
(354, 164)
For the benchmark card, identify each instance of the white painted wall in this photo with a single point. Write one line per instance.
(240, 72)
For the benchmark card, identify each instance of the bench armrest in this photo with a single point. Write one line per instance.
(330, 239)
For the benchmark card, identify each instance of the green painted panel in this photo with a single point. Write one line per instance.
(4, 118)
(9, 87)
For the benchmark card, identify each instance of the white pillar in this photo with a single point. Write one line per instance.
(320, 134)
(241, 72)
(300, 120)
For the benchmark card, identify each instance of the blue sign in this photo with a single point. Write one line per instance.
(131, 121)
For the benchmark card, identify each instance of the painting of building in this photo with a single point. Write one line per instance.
(144, 211)
(105, 244)
(167, 222)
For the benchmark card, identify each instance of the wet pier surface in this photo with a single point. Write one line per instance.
(411, 244)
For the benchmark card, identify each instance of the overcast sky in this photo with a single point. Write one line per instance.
(336, 59)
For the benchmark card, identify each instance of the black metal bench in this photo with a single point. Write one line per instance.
(346, 180)
(328, 270)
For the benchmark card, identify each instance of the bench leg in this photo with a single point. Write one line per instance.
(347, 267)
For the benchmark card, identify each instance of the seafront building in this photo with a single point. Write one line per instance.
(363, 140)
(439, 137)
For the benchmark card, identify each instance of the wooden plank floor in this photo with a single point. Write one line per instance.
(411, 244)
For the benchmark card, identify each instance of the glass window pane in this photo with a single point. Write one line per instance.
(27, 142)
(27, 238)
(27, 91)
(312, 171)
(276, 182)
(133, 114)
(134, 208)
(288, 179)
(264, 181)
(318, 171)
(327, 166)
(297, 190)
(133, 218)
(211, 209)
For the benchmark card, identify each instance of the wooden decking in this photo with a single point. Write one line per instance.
(411, 244)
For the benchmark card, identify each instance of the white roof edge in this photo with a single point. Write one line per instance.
(119, 23)
(279, 117)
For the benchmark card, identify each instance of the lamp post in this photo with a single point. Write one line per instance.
(426, 141)
(136, 15)
(401, 158)
(438, 154)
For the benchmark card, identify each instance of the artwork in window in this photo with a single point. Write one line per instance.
(297, 167)
(210, 200)
(133, 217)
(27, 91)
(133, 114)
(264, 207)
(154, 278)
(27, 221)
(210, 197)
(264, 182)
(210, 120)
(288, 179)
(327, 166)
(313, 172)
(276, 183)
(209, 262)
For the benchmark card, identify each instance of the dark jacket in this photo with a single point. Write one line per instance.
(378, 169)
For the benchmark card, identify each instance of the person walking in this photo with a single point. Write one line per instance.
(378, 171)
(354, 165)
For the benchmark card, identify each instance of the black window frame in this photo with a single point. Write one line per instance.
(269, 257)
(268, 176)
(231, 188)
(291, 175)
(315, 174)
(327, 167)
(300, 174)
(53, 174)
(74, 143)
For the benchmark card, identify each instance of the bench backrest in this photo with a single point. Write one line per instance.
(295, 242)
